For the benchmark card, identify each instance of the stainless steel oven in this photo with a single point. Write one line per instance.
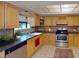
(62, 37)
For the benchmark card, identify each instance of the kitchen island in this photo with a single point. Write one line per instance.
(20, 45)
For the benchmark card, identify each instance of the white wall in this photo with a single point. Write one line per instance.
(31, 20)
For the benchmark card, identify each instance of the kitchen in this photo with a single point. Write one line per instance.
(39, 29)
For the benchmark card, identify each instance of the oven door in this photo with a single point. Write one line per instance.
(61, 37)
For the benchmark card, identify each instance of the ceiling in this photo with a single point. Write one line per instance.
(49, 7)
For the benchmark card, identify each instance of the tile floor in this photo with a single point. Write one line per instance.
(47, 51)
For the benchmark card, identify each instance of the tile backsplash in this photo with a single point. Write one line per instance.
(54, 28)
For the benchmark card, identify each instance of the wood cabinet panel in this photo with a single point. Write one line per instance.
(33, 45)
(11, 16)
(71, 40)
(48, 20)
(71, 20)
(76, 40)
(75, 20)
(54, 20)
(62, 20)
(37, 20)
(1, 15)
(30, 47)
(49, 38)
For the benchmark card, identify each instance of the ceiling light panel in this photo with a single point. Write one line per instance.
(50, 13)
(53, 6)
(76, 9)
(54, 10)
(68, 6)
(67, 10)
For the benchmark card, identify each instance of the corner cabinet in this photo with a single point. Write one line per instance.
(9, 15)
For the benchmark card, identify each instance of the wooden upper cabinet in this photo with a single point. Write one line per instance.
(62, 20)
(73, 20)
(76, 21)
(1, 15)
(53, 21)
(11, 16)
(48, 20)
(37, 20)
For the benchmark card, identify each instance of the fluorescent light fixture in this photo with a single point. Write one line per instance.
(67, 9)
(53, 6)
(68, 5)
(76, 9)
(54, 10)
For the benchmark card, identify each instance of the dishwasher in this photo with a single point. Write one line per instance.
(16, 52)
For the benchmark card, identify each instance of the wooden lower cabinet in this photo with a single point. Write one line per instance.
(30, 47)
(49, 38)
(73, 40)
(76, 40)
(70, 40)
(33, 45)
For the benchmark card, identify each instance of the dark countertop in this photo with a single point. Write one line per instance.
(21, 39)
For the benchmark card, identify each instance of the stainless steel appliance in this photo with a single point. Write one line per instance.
(62, 37)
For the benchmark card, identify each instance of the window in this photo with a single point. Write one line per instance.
(22, 24)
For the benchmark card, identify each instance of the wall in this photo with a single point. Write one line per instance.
(31, 20)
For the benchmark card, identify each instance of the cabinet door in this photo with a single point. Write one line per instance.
(11, 16)
(75, 20)
(53, 21)
(30, 47)
(62, 20)
(1, 15)
(37, 20)
(70, 40)
(70, 20)
(41, 39)
(48, 21)
(49, 39)
(76, 40)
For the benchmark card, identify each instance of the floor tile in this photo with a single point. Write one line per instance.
(48, 51)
